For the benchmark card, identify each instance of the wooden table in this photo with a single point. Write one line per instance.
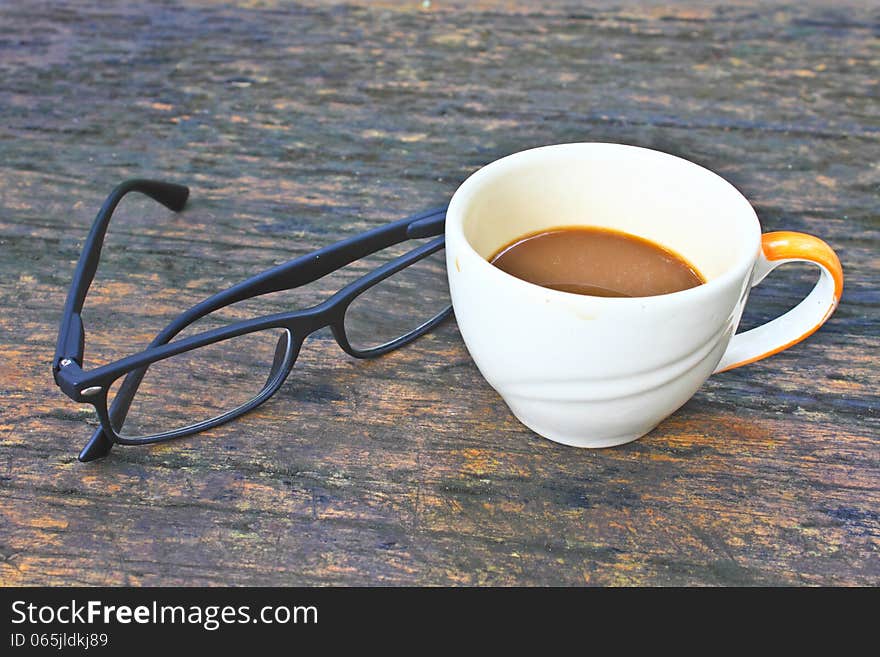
(298, 125)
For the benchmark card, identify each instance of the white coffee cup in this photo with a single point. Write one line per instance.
(596, 371)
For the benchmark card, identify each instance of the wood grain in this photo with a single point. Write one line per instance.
(296, 125)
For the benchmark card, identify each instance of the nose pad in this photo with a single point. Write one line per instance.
(338, 331)
(281, 351)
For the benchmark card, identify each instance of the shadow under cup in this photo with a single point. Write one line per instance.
(598, 371)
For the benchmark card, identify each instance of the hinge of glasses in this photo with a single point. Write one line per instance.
(70, 386)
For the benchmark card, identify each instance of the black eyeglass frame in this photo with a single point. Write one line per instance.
(92, 386)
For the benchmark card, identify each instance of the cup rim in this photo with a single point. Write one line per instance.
(455, 229)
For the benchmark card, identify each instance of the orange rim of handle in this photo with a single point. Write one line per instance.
(786, 245)
(783, 246)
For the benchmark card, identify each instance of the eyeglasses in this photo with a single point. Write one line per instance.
(177, 388)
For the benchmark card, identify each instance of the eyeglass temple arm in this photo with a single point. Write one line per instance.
(310, 267)
(292, 274)
(71, 335)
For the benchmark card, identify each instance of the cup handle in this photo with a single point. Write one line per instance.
(805, 318)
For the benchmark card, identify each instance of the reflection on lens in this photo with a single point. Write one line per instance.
(199, 385)
(399, 304)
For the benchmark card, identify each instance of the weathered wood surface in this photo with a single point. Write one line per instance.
(297, 125)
